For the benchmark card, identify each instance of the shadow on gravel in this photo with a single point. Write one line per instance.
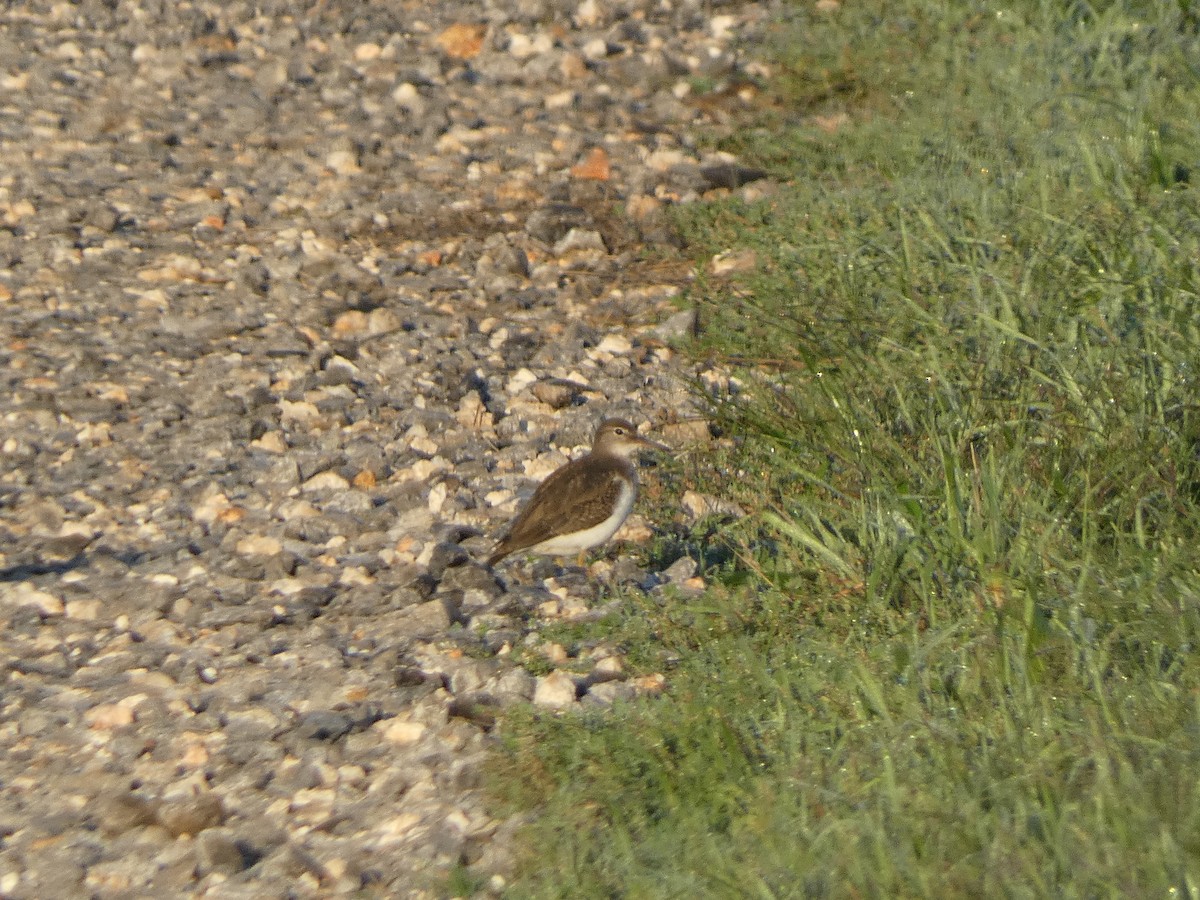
(25, 571)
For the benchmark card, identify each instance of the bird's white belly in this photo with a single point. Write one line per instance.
(576, 541)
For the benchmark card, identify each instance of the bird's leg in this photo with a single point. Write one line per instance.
(579, 559)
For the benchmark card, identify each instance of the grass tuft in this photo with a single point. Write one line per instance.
(953, 648)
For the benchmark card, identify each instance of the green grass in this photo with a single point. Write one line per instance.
(953, 651)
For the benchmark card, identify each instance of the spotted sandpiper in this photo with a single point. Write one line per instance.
(582, 504)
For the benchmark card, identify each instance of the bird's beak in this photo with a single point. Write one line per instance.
(649, 444)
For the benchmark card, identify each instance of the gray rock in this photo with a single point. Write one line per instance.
(191, 814)
(606, 693)
(218, 850)
(551, 223)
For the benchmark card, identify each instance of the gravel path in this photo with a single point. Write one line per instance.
(293, 310)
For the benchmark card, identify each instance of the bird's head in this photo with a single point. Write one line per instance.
(618, 437)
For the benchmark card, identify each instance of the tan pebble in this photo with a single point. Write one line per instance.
(473, 414)
(641, 206)
(326, 481)
(556, 653)
(424, 445)
(364, 479)
(543, 464)
(595, 49)
(520, 380)
(572, 608)
(397, 828)
(720, 26)
(589, 13)
(402, 733)
(17, 82)
(25, 594)
(108, 716)
(583, 240)
(729, 262)
(437, 497)
(194, 756)
(662, 160)
(87, 610)
(309, 334)
(573, 67)
(635, 530)
(424, 469)
(615, 343)
(259, 545)
(407, 95)
(271, 441)
(207, 510)
(298, 411)
(367, 52)
(94, 434)
(555, 691)
(610, 666)
(343, 162)
(700, 505)
(382, 321)
(355, 576)
(336, 868)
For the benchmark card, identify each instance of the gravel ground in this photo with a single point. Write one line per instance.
(294, 309)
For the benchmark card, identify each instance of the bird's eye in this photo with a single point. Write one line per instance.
(619, 430)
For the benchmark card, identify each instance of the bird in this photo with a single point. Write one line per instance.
(582, 504)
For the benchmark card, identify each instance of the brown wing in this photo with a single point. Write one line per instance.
(573, 498)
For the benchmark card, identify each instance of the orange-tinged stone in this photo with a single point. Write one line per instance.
(461, 41)
(594, 166)
(353, 321)
(364, 479)
(650, 684)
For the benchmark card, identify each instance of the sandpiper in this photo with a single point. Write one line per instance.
(582, 504)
